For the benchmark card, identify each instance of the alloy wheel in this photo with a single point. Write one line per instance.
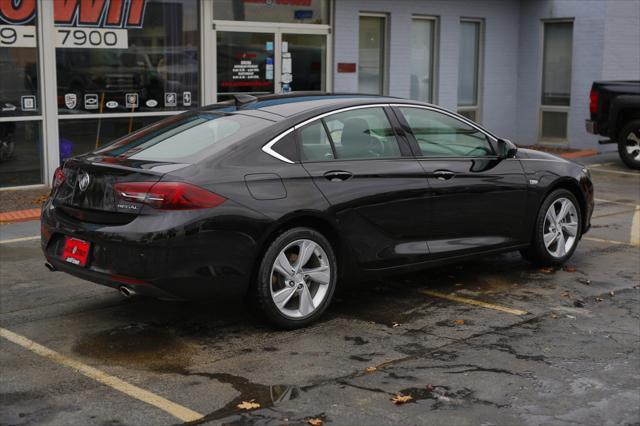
(560, 230)
(633, 145)
(300, 278)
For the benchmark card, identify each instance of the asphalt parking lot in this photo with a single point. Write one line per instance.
(493, 341)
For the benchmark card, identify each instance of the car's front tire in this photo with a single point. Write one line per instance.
(557, 229)
(629, 144)
(296, 278)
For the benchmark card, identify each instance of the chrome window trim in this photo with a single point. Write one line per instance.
(267, 149)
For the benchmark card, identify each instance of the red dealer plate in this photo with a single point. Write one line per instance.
(75, 251)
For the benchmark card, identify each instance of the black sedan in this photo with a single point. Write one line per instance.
(280, 197)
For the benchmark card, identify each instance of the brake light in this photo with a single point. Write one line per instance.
(167, 195)
(58, 178)
(593, 101)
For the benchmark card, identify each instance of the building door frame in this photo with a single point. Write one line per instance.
(210, 51)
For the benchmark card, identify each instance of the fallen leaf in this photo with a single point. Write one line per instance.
(315, 422)
(396, 324)
(599, 299)
(546, 270)
(565, 294)
(584, 281)
(571, 317)
(578, 303)
(612, 293)
(370, 369)
(568, 268)
(248, 405)
(553, 316)
(40, 200)
(429, 387)
(458, 322)
(401, 399)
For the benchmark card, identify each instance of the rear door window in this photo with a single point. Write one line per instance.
(316, 145)
(362, 133)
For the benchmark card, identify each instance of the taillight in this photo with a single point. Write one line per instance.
(58, 178)
(593, 101)
(167, 195)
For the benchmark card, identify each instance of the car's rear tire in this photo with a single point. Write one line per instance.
(557, 229)
(296, 278)
(629, 144)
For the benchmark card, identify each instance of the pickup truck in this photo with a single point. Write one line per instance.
(614, 108)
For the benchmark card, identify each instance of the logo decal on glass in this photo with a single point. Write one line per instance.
(112, 104)
(186, 98)
(131, 100)
(71, 100)
(170, 99)
(28, 103)
(91, 101)
(83, 181)
(151, 103)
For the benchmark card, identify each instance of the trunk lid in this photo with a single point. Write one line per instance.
(88, 191)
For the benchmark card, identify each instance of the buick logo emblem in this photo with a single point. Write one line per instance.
(83, 181)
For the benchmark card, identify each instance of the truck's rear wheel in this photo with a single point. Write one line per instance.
(629, 144)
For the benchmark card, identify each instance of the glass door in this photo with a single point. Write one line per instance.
(245, 63)
(307, 53)
(258, 60)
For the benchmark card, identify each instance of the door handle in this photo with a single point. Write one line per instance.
(338, 175)
(443, 174)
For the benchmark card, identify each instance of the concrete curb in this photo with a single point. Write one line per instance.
(20, 215)
(580, 154)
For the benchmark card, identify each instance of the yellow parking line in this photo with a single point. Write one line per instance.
(601, 240)
(176, 410)
(620, 172)
(17, 240)
(473, 302)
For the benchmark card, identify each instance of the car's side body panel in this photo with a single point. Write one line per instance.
(390, 214)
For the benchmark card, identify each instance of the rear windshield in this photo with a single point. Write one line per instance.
(185, 138)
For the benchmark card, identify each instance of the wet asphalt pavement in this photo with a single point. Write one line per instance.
(573, 356)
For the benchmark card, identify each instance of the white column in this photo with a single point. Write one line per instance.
(48, 88)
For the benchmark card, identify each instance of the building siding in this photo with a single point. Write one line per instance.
(606, 45)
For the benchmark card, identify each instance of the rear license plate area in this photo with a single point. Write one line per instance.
(75, 251)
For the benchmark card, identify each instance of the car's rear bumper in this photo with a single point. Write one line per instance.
(193, 258)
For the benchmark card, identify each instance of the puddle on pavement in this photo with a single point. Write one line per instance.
(139, 346)
(445, 398)
(162, 350)
(265, 395)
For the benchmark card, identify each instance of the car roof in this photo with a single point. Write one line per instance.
(279, 107)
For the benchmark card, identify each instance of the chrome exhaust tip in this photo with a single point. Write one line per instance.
(127, 292)
(50, 267)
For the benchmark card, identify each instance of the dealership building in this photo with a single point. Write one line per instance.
(76, 74)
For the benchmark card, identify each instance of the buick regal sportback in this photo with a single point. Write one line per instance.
(280, 197)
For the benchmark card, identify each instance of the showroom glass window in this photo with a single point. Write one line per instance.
(127, 57)
(556, 80)
(21, 150)
(469, 61)
(422, 58)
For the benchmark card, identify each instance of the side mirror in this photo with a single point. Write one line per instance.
(506, 148)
